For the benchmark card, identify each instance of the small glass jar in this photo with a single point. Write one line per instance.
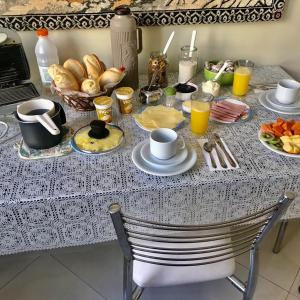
(188, 62)
(157, 69)
(150, 96)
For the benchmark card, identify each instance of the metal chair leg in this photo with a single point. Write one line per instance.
(137, 293)
(127, 279)
(252, 275)
(280, 236)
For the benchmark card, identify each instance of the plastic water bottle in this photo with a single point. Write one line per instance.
(46, 55)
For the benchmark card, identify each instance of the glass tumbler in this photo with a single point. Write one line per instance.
(200, 111)
(241, 78)
(188, 62)
(157, 69)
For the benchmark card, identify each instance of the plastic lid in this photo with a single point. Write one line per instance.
(42, 32)
(122, 10)
(103, 102)
(124, 93)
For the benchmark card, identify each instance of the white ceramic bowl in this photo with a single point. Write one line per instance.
(185, 96)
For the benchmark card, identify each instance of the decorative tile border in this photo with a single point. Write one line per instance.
(147, 18)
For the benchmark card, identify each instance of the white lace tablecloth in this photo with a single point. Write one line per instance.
(64, 201)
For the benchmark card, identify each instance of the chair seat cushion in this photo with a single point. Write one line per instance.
(148, 274)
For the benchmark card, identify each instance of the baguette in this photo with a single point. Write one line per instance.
(94, 66)
(76, 68)
(112, 75)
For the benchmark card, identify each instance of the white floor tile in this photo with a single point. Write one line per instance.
(11, 265)
(292, 297)
(220, 289)
(280, 268)
(295, 288)
(100, 267)
(46, 279)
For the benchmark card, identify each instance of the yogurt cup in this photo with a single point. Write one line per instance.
(124, 96)
(103, 106)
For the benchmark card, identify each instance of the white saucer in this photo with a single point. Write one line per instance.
(187, 164)
(285, 111)
(155, 162)
(270, 95)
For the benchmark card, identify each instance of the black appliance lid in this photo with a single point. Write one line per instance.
(13, 61)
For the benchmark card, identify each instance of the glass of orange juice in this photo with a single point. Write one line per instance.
(242, 76)
(200, 111)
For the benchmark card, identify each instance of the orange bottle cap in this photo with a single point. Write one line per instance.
(42, 32)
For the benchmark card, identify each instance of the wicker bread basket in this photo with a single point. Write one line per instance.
(82, 101)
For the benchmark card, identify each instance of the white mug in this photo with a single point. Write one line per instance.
(164, 143)
(287, 91)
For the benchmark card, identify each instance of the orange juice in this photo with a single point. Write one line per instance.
(199, 116)
(242, 76)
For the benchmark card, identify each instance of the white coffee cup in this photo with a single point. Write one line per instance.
(287, 91)
(164, 143)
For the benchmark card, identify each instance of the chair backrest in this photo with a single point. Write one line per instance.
(191, 245)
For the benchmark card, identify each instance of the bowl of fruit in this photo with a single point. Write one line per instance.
(211, 68)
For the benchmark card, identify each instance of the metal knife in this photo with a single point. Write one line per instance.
(221, 145)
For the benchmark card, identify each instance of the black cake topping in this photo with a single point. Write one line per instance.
(98, 130)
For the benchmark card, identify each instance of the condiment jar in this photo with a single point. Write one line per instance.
(103, 106)
(150, 96)
(124, 96)
(157, 69)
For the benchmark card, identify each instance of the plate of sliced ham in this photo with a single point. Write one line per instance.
(229, 111)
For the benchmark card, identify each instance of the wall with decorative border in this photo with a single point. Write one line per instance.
(267, 10)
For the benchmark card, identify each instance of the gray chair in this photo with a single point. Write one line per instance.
(157, 254)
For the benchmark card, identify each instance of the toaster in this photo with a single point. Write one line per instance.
(14, 70)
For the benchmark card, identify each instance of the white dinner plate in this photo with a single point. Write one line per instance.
(186, 165)
(244, 118)
(177, 159)
(275, 150)
(265, 103)
(270, 95)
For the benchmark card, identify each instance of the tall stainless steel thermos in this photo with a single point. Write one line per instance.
(126, 43)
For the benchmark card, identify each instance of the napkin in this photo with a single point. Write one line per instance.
(214, 154)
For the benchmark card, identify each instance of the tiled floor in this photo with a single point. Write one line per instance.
(95, 273)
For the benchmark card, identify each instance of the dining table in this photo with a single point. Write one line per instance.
(63, 201)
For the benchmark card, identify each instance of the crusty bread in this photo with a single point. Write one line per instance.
(55, 69)
(94, 66)
(111, 75)
(90, 86)
(76, 68)
(63, 78)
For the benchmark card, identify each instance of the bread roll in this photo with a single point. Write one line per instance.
(66, 81)
(76, 68)
(63, 78)
(55, 69)
(90, 86)
(94, 66)
(111, 75)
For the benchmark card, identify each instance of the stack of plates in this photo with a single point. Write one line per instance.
(184, 160)
(269, 101)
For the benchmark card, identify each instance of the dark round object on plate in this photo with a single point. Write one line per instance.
(98, 130)
(184, 88)
(36, 136)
